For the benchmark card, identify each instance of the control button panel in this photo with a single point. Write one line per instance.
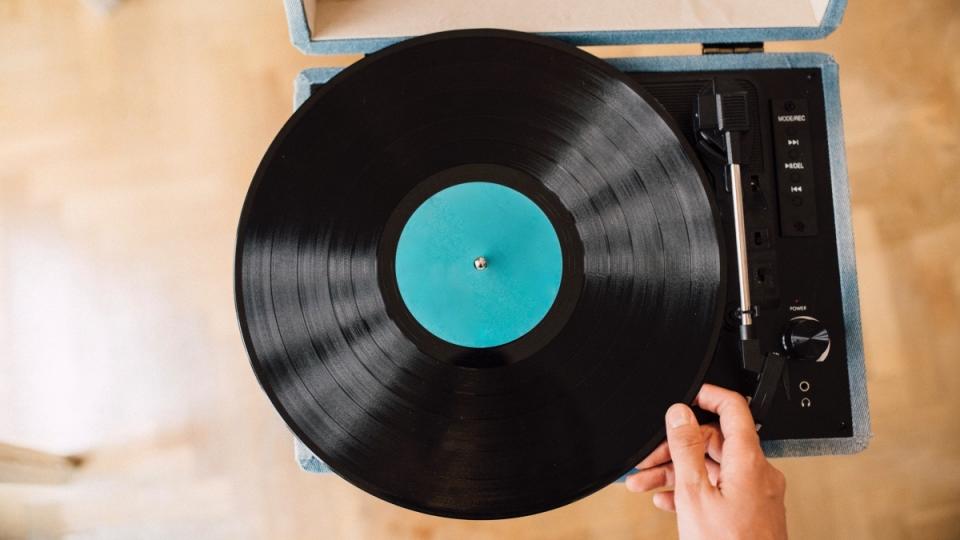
(795, 182)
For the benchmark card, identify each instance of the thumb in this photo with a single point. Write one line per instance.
(687, 449)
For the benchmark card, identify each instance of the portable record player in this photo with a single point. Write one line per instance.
(764, 126)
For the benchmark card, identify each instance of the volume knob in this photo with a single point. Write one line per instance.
(807, 339)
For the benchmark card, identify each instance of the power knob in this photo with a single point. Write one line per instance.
(806, 339)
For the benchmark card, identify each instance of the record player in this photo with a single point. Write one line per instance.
(765, 132)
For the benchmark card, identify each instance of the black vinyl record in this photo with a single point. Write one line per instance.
(465, 432)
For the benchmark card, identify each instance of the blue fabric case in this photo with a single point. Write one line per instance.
(302, 40)
(300, 36)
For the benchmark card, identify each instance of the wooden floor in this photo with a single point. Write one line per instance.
(126, 145)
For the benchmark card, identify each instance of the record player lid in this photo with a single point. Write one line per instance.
(364, 26)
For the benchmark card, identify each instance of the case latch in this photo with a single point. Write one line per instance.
(733, 48)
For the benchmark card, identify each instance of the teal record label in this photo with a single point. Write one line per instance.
(478, 264)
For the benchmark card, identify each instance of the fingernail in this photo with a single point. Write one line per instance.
(679, 415)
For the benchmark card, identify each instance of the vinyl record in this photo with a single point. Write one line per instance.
(503, 385)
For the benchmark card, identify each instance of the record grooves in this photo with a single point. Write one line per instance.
(479, 432)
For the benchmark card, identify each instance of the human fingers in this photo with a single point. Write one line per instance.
(736, 422)
(713, 441)
(661, 454)
(687, 449)
(663, 477)
(665, 501)
(651, 479)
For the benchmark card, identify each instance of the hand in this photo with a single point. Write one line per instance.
(716, 479)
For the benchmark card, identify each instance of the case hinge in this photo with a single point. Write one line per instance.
(733, 48)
